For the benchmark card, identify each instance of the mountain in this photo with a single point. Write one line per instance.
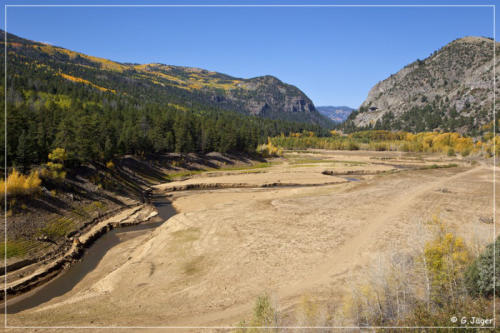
(98, 110)
(336, 113)
(264, 96)
(452, 90)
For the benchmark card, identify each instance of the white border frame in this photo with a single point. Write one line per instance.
(273, 327)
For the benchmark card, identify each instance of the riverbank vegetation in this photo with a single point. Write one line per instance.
(428, 287)
(18, 184)
(442, 279)
(380, 140)
(269, 150)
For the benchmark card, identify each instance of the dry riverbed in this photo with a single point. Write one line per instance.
(290, 230)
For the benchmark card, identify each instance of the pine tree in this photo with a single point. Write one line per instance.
(25, 153)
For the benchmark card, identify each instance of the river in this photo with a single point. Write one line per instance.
(68, 279)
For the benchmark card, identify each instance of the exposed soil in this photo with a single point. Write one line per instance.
(48, 231)
(230, 244)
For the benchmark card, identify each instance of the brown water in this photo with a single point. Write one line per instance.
(92, 256)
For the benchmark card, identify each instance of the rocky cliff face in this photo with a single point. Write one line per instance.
(268, 95)
(451, 89)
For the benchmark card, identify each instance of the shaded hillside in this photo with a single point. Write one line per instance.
(336, 113)
(181, 86)
(450, 90)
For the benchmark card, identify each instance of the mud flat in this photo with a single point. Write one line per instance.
(227, 246)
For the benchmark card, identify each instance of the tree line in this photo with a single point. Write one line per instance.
(97, 130)
(45, 111)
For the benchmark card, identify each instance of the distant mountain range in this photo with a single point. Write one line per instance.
(336, 113)
(450, 90)
(264, 96)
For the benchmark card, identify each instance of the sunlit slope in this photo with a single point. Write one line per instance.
(181, 86)
(451, 90)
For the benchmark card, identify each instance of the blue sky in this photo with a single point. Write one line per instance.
(335, 55)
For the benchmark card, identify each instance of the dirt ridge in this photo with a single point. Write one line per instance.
(215, 186)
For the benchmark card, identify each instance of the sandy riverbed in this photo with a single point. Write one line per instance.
(207, 265)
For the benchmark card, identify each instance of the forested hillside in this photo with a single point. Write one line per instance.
(97, 109)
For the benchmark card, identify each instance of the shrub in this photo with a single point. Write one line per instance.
(479, 274)
(404, 147)
(58, 155)
(334, 133)
(418, 289)
(446, 258)
(53, 171)
(20, 185)
(268, 150)
(55, 167)
(263, 312)
(432, 142)
(264, 315)
(380, 147)
(351, 145)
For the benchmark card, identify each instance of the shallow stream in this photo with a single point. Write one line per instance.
(68, 279)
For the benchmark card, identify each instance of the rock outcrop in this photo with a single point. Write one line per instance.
(451, 89)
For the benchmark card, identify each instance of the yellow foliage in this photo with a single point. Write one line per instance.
(13, 44)
(110, 165)
(310, 311)
(58, 154)
(64, 101)
(54, 168)
(178, 107)
(446, 257)
(428, 142)
(53, 172)
(490, 145)
(269, 149)
(18, 184)
(194, 81)
(32, 183)
(410, 137)
(334, 133)
(105, 63)
(80, 80)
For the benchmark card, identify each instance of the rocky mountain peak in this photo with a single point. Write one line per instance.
(455, 82)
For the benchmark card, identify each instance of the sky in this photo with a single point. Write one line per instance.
(333, 54)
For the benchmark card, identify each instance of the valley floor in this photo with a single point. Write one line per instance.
(290, 230)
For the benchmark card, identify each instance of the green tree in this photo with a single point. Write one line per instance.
(25, 152)
(480, 273)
